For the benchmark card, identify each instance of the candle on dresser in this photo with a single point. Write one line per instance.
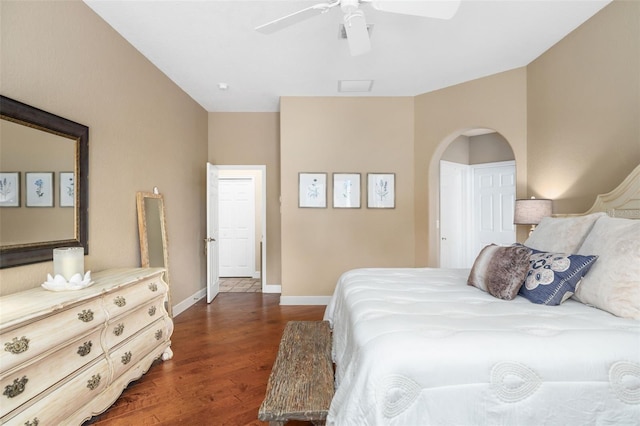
(68, 261)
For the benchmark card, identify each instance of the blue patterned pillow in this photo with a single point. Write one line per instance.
(553, 277)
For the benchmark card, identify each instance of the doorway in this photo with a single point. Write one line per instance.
(477, 194)
(235, 179)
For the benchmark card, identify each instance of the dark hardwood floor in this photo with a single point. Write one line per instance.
(223, 354)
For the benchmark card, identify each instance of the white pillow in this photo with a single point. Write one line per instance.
(613, 282)
(562, 234)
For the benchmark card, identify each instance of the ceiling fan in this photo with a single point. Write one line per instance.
(354, 20)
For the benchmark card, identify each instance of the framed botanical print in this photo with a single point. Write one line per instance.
(381, 190)
(9, 189)
(67, 189)
(312, 190)
(346, 190)
(39, 189)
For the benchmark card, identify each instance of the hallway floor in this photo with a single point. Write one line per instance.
(240, 285)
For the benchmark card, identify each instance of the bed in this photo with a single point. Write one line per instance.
(429, 346)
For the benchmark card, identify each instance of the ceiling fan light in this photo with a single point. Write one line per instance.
(357, 34)
(342, 32)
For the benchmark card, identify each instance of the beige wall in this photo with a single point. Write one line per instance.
(253, 138)
(496, 102)
(489, 148)
(584, 110)
(480, 149)
(356, 135)
(143, 132)
(457, 151)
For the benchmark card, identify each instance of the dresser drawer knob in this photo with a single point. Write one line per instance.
(86, 315)
(94, 382)
(119, 301)
(85, 348)
(118, 329)
(158, 334)
(126, 358)
(16, 388)
(152, 311)
(17, 346)
(153, 287)
(35, 422)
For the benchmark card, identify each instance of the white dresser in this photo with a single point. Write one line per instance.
(67, 356)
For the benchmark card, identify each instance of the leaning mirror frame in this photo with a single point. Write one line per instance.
(152, 231)
(18, 112)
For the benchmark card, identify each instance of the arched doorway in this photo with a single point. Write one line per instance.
(473, 200)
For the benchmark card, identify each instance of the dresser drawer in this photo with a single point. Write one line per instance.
(29, 341)
(123, 301)
(55, 407)
(132, 351)
(125, 326)
(23, 383)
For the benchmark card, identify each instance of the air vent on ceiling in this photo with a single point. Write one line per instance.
(342, 32)
(355, 86)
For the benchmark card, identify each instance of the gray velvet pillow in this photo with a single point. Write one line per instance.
(500, 271)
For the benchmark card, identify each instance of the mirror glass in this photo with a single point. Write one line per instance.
(152, 230)
(43, 184)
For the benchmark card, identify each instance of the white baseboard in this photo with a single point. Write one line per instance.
(256, 275)
(188, 302)
(272, 288)
(305, 300)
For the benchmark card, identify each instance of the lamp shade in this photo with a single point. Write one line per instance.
(531, 211)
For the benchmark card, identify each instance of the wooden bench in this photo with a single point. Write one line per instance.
(301, 385)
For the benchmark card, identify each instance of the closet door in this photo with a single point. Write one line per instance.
(494, 193)
(454, 238)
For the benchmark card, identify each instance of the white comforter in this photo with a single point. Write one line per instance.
(420, 347)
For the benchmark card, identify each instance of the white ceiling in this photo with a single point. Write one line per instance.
(199, 44)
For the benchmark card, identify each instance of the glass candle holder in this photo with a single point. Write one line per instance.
(68, 261)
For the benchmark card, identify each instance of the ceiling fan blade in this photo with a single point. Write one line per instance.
(440, 9)
(355, 26)
(294, 18)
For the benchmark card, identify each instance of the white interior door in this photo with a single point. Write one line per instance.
(237, 221)
(454, 241)
(211, 242)
(494, 199)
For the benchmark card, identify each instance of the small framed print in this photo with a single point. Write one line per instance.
(346, 190)
(67, 193)
(9, 189)
(39, 189)
(312, 190)
(381, 190)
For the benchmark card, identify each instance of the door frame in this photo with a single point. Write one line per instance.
(263, 219)
(211, 244)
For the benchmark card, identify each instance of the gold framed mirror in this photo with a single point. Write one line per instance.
(152, 230)
(49, 210)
